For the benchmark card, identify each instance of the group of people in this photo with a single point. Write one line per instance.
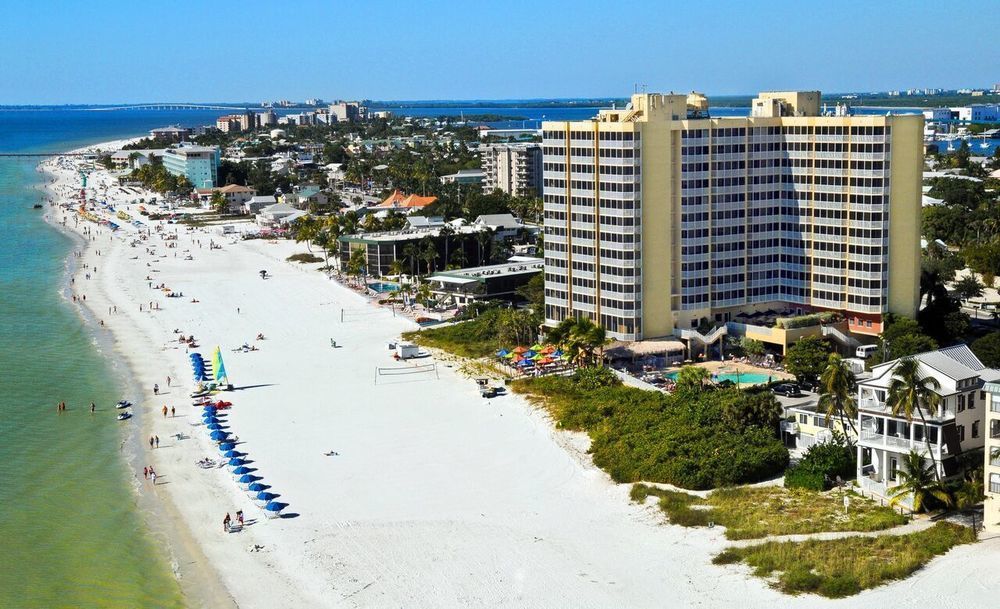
(228, 520)
(149, 474)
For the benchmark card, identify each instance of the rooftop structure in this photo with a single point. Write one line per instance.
(492, 282)
(403, 202)
(199, 164)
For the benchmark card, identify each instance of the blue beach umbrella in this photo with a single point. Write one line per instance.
(236, 461)
(241, 470)
(502, 353)
(226, 446)
(248, 479)
(266, 497)
(219, 435)
(233, 454)
(275, 507)
(257, 487)
(215, 427)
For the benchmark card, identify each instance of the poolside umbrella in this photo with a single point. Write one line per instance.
(218, 365)
(529, 354)
(557, 353)
(219, 435)
(237, 461)
(538, 356)
(546, 360)
(510, 355)
(525, 363)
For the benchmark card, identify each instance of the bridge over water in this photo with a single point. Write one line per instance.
(168, 106)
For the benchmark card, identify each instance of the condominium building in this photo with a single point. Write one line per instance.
(659, 217)
(199, 164)
(991, 454)
(515, 169)
(953, 428)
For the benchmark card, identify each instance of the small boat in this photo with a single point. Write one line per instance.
(124, 416)
(123, 404)
(37, 206)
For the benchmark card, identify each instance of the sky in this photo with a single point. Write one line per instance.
(109, 51)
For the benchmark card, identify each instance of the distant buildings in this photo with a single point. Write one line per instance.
(172, 133)
(465, 176)
(515, 169)
(348, 112)
(404, 203)
(199, 164)
(246, 121)
(991, 408)
(660, 218)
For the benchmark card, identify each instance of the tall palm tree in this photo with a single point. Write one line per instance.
(920, 481)
(910, 394)
(580, 338)
(445, 232)
(429, 253)
(484, 239)
(837, 386)
(412, 252)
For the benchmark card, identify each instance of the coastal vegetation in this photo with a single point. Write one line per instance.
(822, 464)
(695, 439)
(836, 568)
(493, 329)
(154, 176)
(758, 512)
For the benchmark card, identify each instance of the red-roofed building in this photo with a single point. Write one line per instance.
(405, 203)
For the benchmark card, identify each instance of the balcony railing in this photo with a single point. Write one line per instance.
(872, 438)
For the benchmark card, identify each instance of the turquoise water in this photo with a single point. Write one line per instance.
(72, 534)
(382, 287)
(744, 378)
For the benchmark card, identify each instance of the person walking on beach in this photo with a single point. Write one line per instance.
(168, 381)
(225, 522)
(157, 441)
(156, 389)
(173, 412)
(164, 411)
(150, 442)
(152, 477)
(145, 473)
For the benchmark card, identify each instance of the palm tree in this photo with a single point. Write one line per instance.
(920, 481)
(909, 394)
(445, 232)
(580, 338)
(837, 392)
(429, 254)
(306, 228)
(396, 267)
(692, 377)
(411, 252)
(484, 239)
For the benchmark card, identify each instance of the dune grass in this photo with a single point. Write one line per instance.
(843, 567)
(753, 513)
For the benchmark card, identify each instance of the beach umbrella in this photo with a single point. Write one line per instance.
(226, 446)
(218, 365)
(520, 349)
(275, 507)
(233, 453)
(248, 479)
(219, 435)
(502, 353)
(266, 497)
(257, 487)
(242, 471)
(236, 461)
(536, 347)
(215, 426)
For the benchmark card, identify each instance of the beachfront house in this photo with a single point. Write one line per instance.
(236, 196)
(954, 429)
(991, 454)
(278, 214)
(806, 425)
(257, 203)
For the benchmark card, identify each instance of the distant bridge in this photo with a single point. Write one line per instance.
(42, 154)
(166, 106)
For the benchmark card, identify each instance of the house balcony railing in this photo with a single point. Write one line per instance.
(897, 444)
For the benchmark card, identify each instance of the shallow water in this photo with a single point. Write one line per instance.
(72, 533)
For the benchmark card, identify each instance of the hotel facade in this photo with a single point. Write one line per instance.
(660, 218)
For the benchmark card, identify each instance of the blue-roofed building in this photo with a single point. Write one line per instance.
(199, 164)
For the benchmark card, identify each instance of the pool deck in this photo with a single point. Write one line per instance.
(731, 367)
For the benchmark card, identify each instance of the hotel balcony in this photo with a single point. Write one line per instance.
(871, 439)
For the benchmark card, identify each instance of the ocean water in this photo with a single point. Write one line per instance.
(72, 534)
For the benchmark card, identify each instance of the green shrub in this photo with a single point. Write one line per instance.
(304, 258)
(822, 462)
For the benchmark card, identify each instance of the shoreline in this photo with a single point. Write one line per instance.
(433, 492)
(162, 522)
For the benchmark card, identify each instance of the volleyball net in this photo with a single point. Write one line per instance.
(401, 372)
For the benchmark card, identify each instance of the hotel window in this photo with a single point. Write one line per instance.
(975, 429)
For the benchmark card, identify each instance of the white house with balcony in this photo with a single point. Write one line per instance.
(991, 471)
(956, 426)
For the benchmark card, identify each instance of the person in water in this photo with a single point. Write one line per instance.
(93, 407)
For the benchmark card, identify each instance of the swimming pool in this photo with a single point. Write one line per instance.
(743, 378)
(383, 287)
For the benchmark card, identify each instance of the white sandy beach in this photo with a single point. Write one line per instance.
(435, 499)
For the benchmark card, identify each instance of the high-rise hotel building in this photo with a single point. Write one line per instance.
(659, 217)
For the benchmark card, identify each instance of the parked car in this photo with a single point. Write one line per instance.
(865, 351)
(789, 390)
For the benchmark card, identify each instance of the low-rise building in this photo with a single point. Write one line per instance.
(236, 196)
(383, 247)
(492, 282)
(278, 214)
(257, 203)
(173, 132)
(199, 164)
(991, 454)
(465, 177)
(952, 429)
(403, 203)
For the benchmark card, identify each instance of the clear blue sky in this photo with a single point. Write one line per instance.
(104, 51)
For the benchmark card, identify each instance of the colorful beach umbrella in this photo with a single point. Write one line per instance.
(502, 353)
(536, 347)
(520, 349)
